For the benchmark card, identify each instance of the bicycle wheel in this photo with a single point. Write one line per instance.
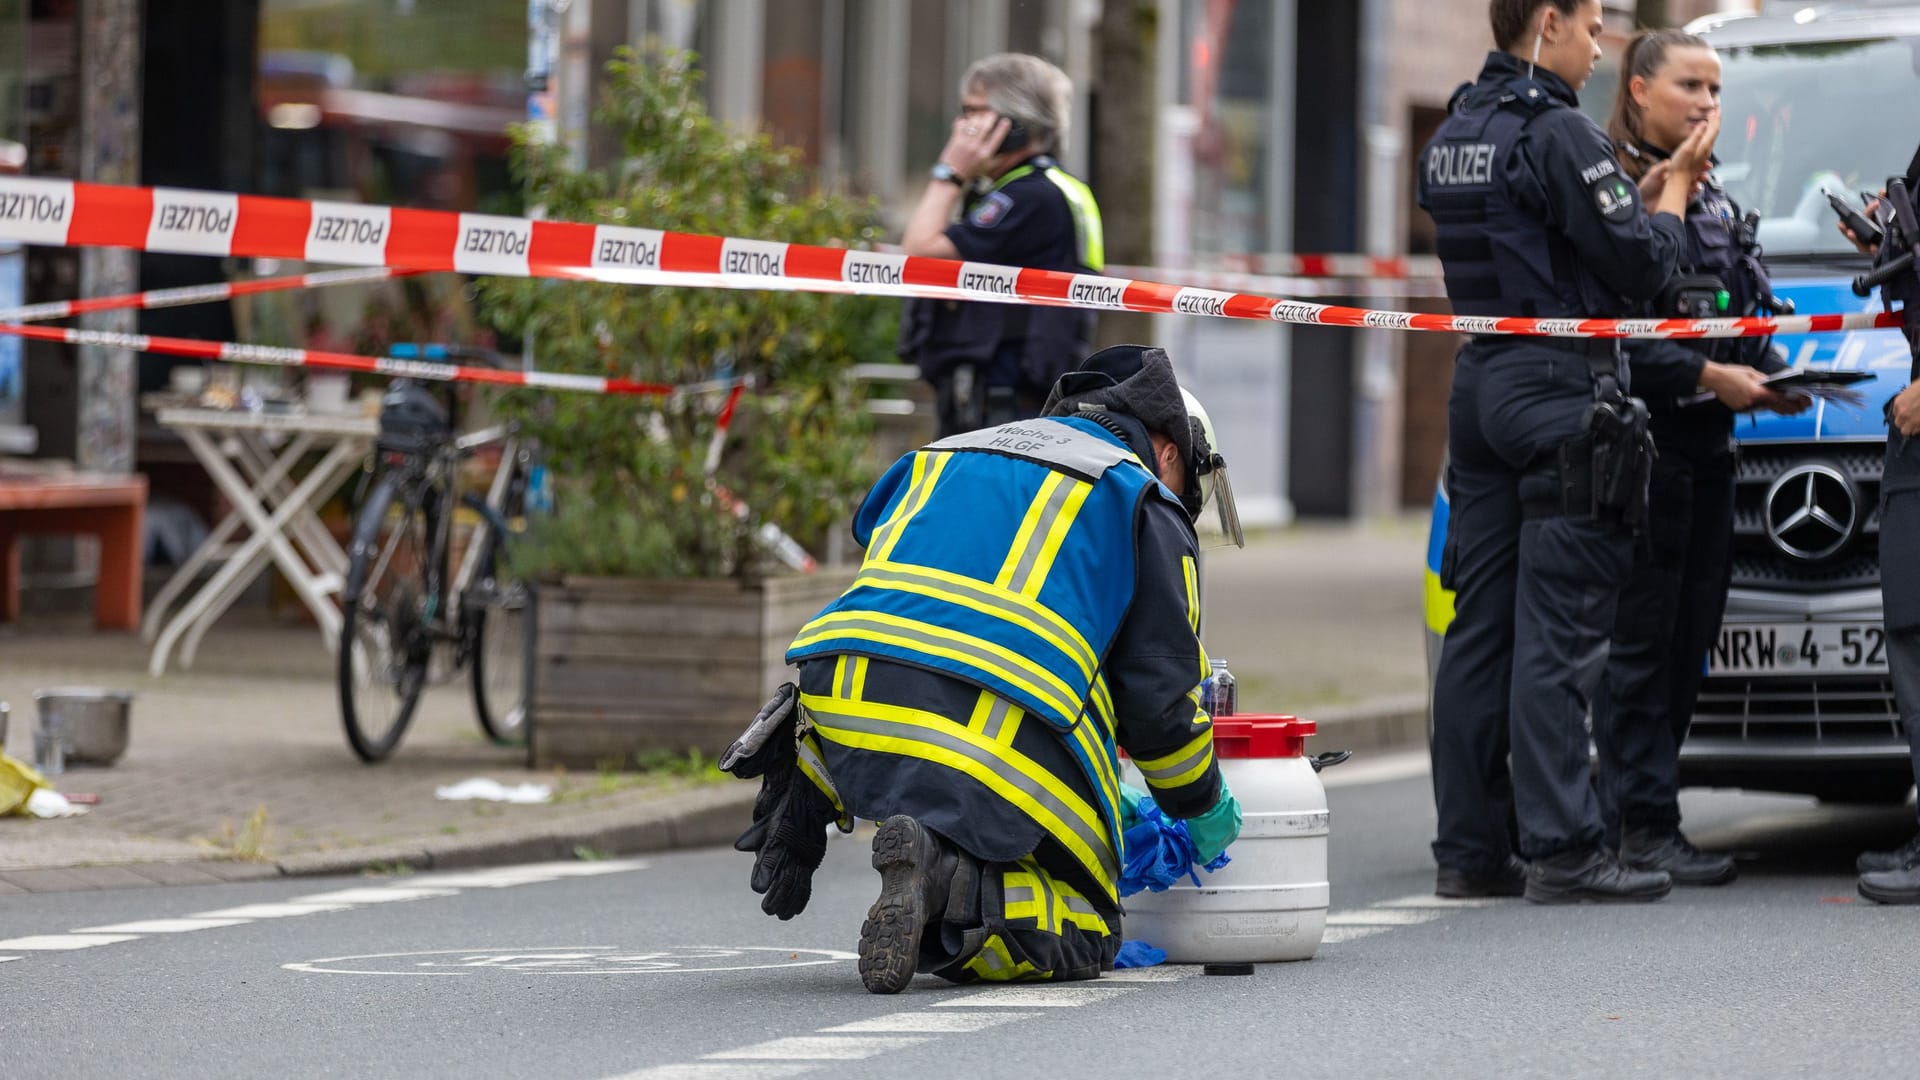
(499, 612)
(386, 634)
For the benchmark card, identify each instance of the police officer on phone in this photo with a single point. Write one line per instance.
(992, 363)
(1547, 455)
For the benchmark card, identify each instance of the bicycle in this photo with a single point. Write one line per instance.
(402, 608)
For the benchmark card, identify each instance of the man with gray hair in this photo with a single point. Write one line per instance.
(993, 363)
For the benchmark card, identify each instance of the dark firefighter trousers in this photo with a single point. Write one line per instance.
(1031, 913)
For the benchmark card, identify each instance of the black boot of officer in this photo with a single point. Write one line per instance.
(1669, 850)
(1893, 877)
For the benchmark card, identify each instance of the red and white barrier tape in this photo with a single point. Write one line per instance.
(198, 294)
(75, 214)
(314, 358)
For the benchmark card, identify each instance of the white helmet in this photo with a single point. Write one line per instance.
(1208, 470)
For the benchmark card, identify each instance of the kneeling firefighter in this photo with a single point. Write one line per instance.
(1029, 600)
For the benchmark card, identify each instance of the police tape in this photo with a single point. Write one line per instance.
(275, 356)
(198, 294)
(74, 214)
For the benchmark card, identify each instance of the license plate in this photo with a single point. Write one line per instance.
(1803, 648)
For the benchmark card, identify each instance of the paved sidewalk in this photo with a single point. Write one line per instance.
(1319, 621)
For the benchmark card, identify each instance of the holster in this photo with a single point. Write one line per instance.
(1604, 472)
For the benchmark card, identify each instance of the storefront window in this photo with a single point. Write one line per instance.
(1226, 71)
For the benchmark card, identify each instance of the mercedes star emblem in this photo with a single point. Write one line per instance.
(1812, 511)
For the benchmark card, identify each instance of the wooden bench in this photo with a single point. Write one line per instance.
(96, 504)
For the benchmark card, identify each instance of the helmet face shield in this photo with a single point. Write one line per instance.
(1218, 523)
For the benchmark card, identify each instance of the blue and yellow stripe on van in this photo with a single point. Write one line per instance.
(1439, 602)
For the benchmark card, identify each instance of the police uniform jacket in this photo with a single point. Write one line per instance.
(1666, 374)
(1037, 216)
(1028, 603)
(1533, 214)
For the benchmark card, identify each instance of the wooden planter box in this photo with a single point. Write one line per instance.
(628, 666)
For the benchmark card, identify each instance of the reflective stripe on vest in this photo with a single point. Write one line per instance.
(1013, 777)
(1088, 231)
(1015, 579)
(1089, 234)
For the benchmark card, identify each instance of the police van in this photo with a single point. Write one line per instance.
(1797, 696)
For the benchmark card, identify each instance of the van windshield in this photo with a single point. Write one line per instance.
(1800, 118)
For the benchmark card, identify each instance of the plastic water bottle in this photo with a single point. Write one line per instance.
(49, 746)
(1220, 694)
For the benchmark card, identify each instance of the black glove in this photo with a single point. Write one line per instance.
(766, 749)
(790, 815)
(795, 842)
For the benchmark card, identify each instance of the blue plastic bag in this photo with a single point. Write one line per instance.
(1159, 850)
(1138, 954)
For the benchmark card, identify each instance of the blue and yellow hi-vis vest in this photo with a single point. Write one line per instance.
(1016, 580)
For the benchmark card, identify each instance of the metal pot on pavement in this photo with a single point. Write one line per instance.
(94, 723)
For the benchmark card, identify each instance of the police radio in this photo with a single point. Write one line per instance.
(1693, 296)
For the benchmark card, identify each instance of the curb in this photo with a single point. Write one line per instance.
(1386, 724)
(700, 817)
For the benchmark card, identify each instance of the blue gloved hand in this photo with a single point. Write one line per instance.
(1130, 798)
(1215, 829)
(1159, 851)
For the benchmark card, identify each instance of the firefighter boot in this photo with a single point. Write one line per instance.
(916, 870)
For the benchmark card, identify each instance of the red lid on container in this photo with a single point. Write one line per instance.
(1254, 735)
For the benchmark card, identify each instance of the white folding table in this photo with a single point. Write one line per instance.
(254, 459)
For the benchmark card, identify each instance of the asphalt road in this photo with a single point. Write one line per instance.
(665, 968)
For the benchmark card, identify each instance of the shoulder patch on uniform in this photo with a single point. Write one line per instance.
(988, 211)
(1616, 199)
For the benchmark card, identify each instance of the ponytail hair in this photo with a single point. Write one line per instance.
(1646, 54)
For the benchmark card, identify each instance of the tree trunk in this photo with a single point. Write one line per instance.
(1122, 150)
(1651, 14)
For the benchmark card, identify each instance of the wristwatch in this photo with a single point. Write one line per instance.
(943, 171)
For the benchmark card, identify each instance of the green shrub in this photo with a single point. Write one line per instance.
(627, 472)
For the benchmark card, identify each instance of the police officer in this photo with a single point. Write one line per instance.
(1671, 607)
(1893, 877)
(1029, 600)
(1546, 454)
(990, 363)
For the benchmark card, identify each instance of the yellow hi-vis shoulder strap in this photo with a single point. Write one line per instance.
(1087, 228)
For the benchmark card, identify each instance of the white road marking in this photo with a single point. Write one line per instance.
(1429, 900)
(63, 942)
(1378, 770)
(484, 879)
(1159, 974)
(926, 1023)
(161, 926)
(1382, 917)
(1339, 935)
(719, 1070)
(574, 960)
(389, 894)
(581, 869)
(269, 911)
(822, 1048)
(319, 903)
(1023, 997)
